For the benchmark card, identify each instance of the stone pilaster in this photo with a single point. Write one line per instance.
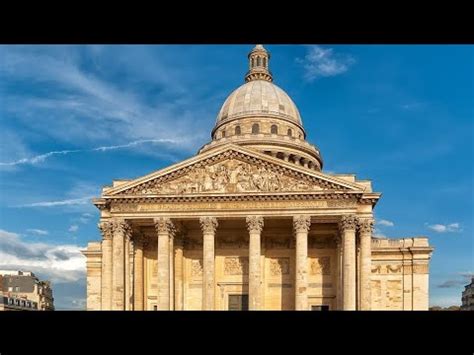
(120, 231)
(138, 284)
(365, 239)
(301, 225)
(171, 272)
(164, 228)
(106, 229)
(347, 227)
(208, 226)
(255, 226)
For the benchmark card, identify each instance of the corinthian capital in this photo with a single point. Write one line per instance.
(366, 225)
(106, 229)
(301, 223)
(254, 223)
(348, 222)
(208, 224)
(122, 226)
(163, 225)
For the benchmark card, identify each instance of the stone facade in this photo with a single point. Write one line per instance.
(252, 218)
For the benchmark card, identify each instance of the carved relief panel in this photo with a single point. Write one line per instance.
(320, 266)
(279, 266)
(236, 265)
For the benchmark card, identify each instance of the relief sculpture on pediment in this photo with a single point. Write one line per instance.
(231, 176)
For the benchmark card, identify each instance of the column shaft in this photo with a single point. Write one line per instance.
(348, 227)
(255, 226)
(208, 225)
(171, 273)
(138, 274)
(164, 229)
(127, 273)
(107, 263)
(301, 226)
(365, 235)
(178, 269)
(118, 296)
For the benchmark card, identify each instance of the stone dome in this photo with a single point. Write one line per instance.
(259, 98)
(261, 116)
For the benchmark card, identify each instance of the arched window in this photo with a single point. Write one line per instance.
(265, 62)
(237, 131)
(223, 134)
(259, 61)
(290, 132)
(253, 63)
(274, 129)
(255, 128)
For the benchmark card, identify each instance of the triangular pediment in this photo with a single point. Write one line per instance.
(232, 169)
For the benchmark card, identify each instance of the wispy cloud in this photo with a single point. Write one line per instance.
(445, 228)
(81, 96)
(85, 218)
(324, 62)
(461, 280)
(42, 157)
(384, 222)
(59, 263)
(74, 228)
(69, 202)
(38, 231)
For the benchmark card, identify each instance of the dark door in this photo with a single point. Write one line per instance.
(238, 302)
(320, 308)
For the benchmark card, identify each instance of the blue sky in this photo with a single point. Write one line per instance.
(73, 118)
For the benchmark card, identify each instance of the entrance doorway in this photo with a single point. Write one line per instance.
(238, 302)
(320, 308)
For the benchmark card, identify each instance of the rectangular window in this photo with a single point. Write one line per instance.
(155, 307)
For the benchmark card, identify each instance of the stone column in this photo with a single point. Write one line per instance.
(365, 238)
(138, 293)
(127, 271)
(348, 227)
(164, 229)
(106, 229)
(121, 229)
(255, 226)
(209, 226)
(340, 266)
(172, 272)
(301, 226)
(178, 270)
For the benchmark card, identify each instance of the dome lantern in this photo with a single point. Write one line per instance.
(259, 60)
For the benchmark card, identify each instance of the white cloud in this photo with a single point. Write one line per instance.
(80, 99)
(58, 263)
(74, 228)
(379, 234)
(38, 231)
(323, 62)
(85, 218)
(445, 228)
(42, 157)
(386, 223)
(68, 202)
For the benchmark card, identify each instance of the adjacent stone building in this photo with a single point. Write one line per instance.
(251, 222)
(468, 297)
(24, 285)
